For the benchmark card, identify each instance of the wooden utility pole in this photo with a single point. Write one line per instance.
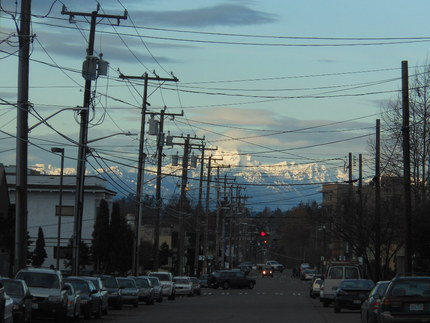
(83, 135)
(377, 180)
(141, 167)
(406, 167)
(22, 138)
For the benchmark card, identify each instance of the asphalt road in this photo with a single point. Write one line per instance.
(273, 300)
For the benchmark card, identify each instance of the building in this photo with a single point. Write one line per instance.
(43, 208)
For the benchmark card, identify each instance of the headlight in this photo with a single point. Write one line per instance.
(54, 299)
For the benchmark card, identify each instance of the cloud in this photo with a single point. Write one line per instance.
(219, 15)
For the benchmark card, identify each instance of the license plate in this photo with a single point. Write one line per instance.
(357, 301)
(34, 306)
(416, 307)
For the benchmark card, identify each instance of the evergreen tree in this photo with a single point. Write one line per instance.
(121, 242)
(100, 248)
(39, 253)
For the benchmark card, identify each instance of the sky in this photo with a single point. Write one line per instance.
(263, 81)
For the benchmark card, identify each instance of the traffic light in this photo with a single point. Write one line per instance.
(263, 234)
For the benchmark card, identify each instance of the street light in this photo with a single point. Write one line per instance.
(60, 206)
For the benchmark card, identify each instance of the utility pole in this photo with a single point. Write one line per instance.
(22, 138)
(217, 219)
(158, 199)
(206, 231)
(377, 180)
(199, 210)
(141, 164)
(406, 167)
(183, 197)
(83, 135)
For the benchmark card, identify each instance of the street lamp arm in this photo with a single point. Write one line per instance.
(112, 135)
(52, 115)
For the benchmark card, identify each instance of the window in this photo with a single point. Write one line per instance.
(335, 273)
(351, 273)
(66, 210)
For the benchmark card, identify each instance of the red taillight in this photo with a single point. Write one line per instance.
(376, 305)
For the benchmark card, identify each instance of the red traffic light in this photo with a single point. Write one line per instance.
(263, 233)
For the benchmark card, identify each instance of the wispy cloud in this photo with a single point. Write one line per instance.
(219, 15)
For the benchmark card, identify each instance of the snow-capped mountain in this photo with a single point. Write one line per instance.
(279, 185)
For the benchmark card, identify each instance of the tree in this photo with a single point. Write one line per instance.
(39, 253)
(84, 255)
(120, 242)
(100, 247)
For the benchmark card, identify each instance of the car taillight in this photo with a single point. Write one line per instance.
(376, 305)
(390, 303)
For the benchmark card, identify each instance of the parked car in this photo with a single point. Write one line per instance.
(407, 299)
(113, 291)
(18, 290)
(308, 274)
(231, 278)
(146, 292)
(266, 271)
(196, 286)
(322, 291)
(183, 285)
(98, 283)
(158, 290)
(203, 279)
(73, 303)
(91, 300)
(48, 290)
(276, 266)
(166, 280)
(336, 272)
(369, 308)
(315, 288)
(130, 291)
(8, 309)
(351, 293)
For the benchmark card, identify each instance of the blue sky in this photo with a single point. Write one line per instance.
(252, 73)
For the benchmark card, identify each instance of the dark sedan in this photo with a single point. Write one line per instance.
(91, 300)
(22, 299)
(369, 308)
(407, 299)
(351, 293)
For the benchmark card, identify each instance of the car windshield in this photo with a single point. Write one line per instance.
(109, 282)
(80, 286)
(411, 288)
(181, 280)
(13, 288)
(357, 284)
(126, 283)
(154, 281)
(142, 282)
(41, 280)
(162, 277)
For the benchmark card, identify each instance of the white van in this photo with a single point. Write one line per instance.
(335, 273)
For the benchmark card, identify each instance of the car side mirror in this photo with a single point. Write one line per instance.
(65, 287)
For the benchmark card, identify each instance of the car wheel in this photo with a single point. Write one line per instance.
(251, 285)
(160, 300)
(225, 285)
(105, 311)
(76, 314)
(172, 297)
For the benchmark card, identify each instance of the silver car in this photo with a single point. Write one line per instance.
(158, 290)
(73, 303)
(98, 283)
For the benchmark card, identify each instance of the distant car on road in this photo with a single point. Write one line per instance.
(183, 285)
(158, 290)
(308, 274)
(130, 291)
(276, 266)
(351, 293)
(73, 303)
(196, 286)
(166, 280)
(266, 271)
(231, 278)
(203, 279)
(315, 288)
